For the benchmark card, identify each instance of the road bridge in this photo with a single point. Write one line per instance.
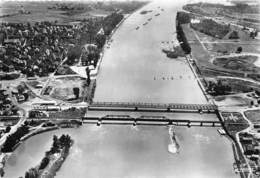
(152, 107)
(148, 120)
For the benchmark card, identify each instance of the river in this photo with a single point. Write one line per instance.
(135, 70)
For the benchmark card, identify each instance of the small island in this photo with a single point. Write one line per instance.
(174, 146)
(53, 158)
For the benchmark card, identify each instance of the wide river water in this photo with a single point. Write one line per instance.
(135, 70)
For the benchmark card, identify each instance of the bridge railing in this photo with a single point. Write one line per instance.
(155, 105)
(151, 120)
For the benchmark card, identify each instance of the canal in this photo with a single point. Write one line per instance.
(135, 70)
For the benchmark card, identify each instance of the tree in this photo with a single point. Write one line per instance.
(73, 54)
(76, 92)
(88, 81)
(26, 96)
(7, 129)
(100, 40)
(20, 89)
(183, 17)
(239, 49)
(44, 162)
(88, 72)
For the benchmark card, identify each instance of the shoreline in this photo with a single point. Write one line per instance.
(5, 156)
(207, 96)
(56, 164)
(94, 73)
(51, 163)
(126, 16)
(96, 70)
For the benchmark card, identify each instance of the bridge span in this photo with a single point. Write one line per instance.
(152, 107)
(148, 120)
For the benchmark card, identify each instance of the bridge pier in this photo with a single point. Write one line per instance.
(201, 124)
(213, 124)
(134, 123)
(188, 124)
(99, 122)
(136, 108)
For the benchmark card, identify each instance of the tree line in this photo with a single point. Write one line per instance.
(59, 145)
(14, 138)
(182, 18)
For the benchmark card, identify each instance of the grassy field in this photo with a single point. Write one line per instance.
(224, 48)
(253, 116)
(198, 52)
(243, 63)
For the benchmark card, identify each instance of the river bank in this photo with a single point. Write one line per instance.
(93, 73)
(53, 159)
(33, 132)
(90, 90)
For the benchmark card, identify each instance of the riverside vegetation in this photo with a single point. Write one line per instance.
(53, 158)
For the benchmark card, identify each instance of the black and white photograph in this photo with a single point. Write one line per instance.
(130, 88)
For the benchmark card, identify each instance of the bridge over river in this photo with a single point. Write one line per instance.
(151, 107)
(149, 120)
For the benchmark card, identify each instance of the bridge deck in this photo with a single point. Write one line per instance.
(152, 106)
(126, 119)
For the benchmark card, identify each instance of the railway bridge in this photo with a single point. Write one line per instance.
(148, 120)
(152, 107)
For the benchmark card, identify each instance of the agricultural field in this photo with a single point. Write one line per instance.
(64, 13)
